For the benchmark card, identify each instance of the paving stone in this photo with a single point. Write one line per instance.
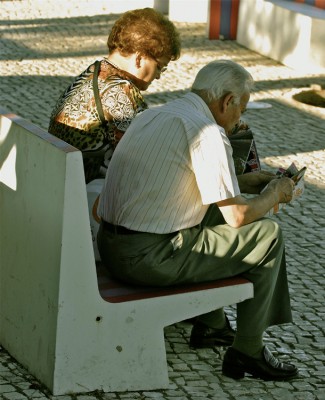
(14, 396)
(7, 389)
(43, 46)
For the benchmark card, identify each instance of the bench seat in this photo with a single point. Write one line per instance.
(115, 291)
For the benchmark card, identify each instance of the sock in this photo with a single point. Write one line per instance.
(214, 319)
(252, 346)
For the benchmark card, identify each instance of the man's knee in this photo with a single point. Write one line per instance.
(271, 229)
(273, 240)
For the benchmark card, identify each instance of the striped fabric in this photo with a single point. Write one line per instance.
(172, 162)
(114, 291)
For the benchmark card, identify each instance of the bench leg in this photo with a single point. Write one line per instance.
(126, 355)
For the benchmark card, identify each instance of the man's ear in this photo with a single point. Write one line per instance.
(227, 101)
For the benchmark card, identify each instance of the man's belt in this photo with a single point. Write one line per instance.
(119, 230)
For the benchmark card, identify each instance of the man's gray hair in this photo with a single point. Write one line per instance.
(222, 77)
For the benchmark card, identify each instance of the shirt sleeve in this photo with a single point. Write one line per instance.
(213, 166)
(117, 104)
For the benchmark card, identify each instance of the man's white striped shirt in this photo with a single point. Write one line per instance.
(171, 164)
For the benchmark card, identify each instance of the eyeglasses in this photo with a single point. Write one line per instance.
(160, 68)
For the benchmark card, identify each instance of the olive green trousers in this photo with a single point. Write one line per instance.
(209, 251)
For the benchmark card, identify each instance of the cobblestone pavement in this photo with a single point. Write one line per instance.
(38, 58)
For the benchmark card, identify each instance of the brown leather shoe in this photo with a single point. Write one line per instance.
(203, 336)
(236, 364)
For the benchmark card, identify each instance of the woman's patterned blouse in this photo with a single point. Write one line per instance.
(76, 121)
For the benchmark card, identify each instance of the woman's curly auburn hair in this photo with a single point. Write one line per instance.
(146, 31)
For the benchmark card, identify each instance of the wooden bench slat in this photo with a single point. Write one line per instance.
(114, 291)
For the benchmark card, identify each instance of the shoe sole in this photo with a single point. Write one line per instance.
(239, 373)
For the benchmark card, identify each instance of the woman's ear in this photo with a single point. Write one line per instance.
(138, 60)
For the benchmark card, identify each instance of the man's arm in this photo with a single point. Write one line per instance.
(254, 182)
(239, 211)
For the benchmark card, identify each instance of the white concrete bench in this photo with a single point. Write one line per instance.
(289, 32)
(73, 329)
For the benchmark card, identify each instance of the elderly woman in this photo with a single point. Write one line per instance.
(97, 108)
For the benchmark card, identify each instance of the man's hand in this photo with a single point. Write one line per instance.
(238, 211)
(254, 182)
(282, 188)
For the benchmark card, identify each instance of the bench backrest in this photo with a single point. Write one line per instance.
(40, 179)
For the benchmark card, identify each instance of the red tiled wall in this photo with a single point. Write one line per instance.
(315, 3)
(223, 19)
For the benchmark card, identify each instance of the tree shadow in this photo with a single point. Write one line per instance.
(280, 130)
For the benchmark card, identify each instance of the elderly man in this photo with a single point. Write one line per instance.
(173, 213)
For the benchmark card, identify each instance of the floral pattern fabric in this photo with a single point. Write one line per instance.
(75, 118)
